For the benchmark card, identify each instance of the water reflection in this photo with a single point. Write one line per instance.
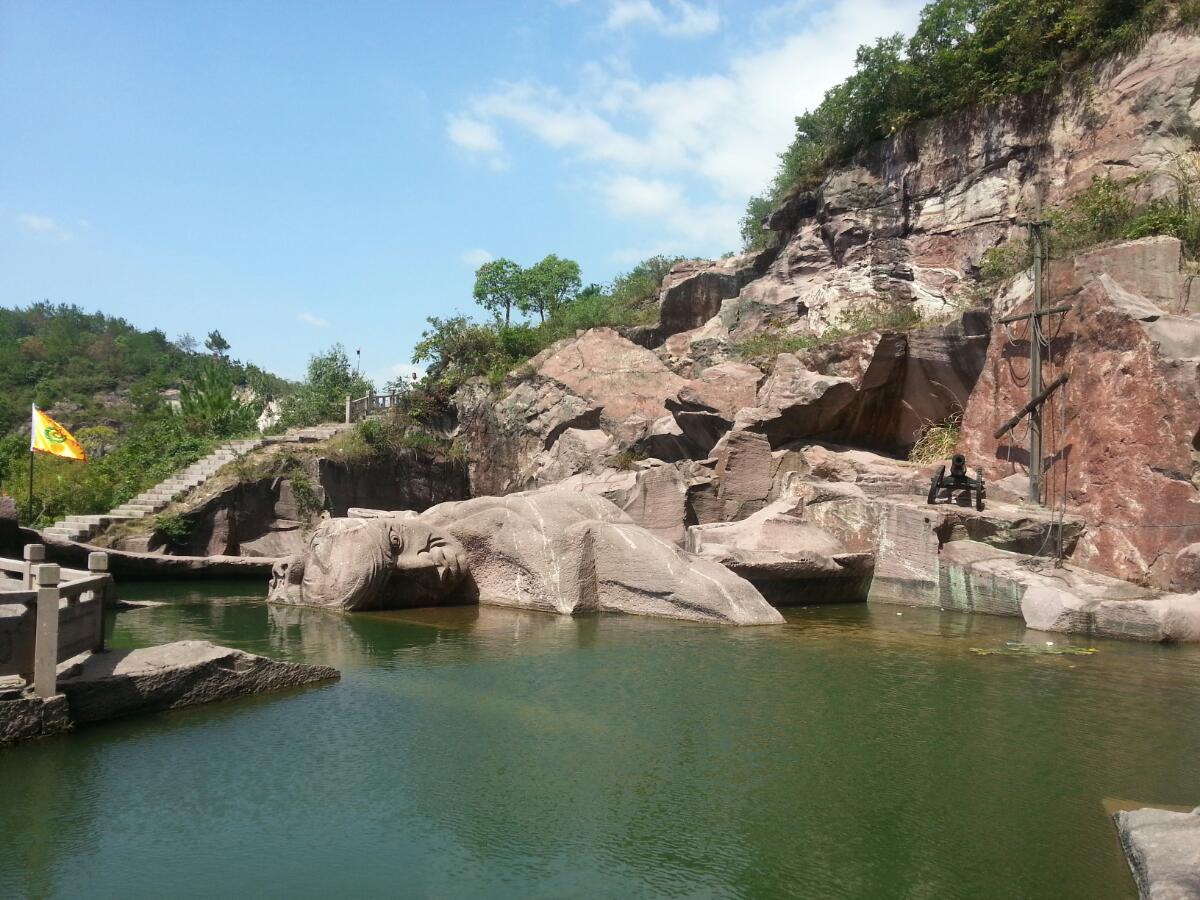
(854, 752)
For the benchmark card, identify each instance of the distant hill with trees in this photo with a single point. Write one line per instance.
(90, 369)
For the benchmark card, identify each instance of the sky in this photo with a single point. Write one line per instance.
(303, 173)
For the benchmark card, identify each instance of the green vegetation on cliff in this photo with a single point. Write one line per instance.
(1109, 210)
(962, 54)
(457, 348)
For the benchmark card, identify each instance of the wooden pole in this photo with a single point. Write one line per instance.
(30, 522)
(1033, 404)
(45, 648)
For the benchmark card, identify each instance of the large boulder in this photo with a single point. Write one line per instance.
(692, 294)
(876, 389)
(568, 551)
(1163, 851)
(788, 557)
(185, 673)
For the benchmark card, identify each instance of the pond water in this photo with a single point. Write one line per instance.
(855, 752)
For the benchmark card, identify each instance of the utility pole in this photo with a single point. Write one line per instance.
(1037, 395)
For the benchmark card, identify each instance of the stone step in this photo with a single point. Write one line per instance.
(59, 533)
(87, 520)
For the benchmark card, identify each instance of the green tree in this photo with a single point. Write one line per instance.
(209, 405)
(499, 285)
(548, 285)
(216, 344)
(455, 349)
(322, 396)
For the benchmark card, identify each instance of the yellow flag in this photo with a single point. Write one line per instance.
(50, 437)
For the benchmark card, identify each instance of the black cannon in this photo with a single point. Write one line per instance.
(957, 480)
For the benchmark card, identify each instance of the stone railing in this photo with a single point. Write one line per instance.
(63, 615)
(370, 405)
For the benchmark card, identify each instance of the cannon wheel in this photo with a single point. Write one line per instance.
(936, 483)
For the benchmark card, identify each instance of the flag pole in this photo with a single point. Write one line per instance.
(31, 487)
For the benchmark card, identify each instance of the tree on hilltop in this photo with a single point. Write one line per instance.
(499, 285)
(216, 344)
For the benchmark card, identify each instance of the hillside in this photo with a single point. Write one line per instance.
(92, 369)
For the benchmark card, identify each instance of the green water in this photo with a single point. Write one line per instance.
(853, 752)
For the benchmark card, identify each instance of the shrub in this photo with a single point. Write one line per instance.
(762, 348)
(175, 528)
(937, 440)
(209, 404)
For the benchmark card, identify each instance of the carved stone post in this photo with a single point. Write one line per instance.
(34, 554)
(98, 565)
(45, 647)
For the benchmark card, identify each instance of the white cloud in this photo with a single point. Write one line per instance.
(476, 257)
(681, 18)
(309, 319)
(473, 135)
(43, 225)
(629, 195)
(681, 152)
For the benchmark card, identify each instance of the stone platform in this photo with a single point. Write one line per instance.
(126, 682)
(1000, 562)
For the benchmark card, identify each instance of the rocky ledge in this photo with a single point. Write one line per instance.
(125, 682)
(184, 673)
(1163, 850)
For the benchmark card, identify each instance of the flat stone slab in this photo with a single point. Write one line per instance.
(1163, 851)
(185, 673)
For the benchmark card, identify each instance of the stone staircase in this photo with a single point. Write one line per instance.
(157, 498)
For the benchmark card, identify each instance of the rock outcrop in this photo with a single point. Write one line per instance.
(567, 552)
(556, 550)
(185, 673)
(1121, 437)
(903, 229)
(1163, 851)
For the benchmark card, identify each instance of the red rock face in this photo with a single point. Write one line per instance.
(1122, 434)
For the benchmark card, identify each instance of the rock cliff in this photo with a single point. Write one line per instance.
(740, 390)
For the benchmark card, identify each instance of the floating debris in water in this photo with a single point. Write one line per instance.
(1016, 648)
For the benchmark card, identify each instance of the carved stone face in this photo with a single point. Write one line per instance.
(375, 563)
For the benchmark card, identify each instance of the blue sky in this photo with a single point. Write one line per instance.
(299, 173)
